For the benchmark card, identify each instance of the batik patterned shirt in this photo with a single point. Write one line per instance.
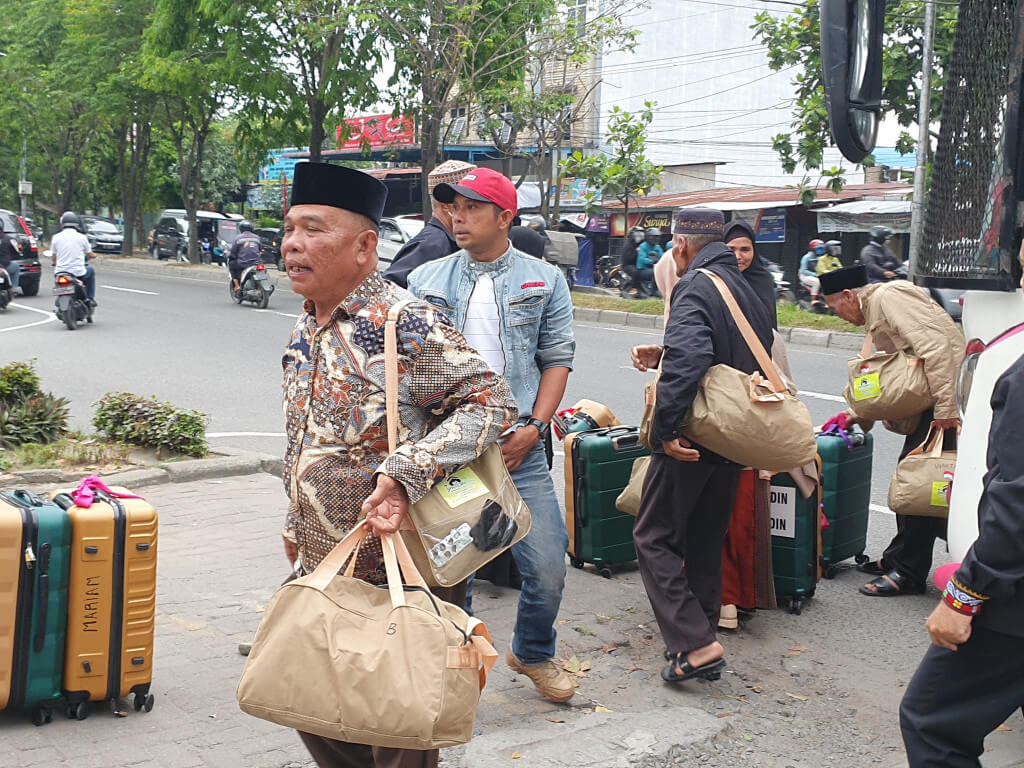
(452, 406)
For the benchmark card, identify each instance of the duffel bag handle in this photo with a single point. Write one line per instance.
(932, 445)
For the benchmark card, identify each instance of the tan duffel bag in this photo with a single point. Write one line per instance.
(920, 485)
(886, 386)
(628, 502)
(745, 417)
(389, 667)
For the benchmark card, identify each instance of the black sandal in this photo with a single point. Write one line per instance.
(891, 584)
(710, 671)
(872, 568)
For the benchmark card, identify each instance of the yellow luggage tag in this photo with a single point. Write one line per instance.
(461, 487)
(866, 387)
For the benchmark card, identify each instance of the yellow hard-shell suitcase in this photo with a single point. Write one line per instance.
(112, 601)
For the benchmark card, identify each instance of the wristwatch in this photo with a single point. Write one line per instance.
(542, 427)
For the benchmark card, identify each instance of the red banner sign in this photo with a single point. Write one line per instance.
(377, 131)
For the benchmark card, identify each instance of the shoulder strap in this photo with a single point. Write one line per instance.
(391, 371)
(753, 343)
(865, 351)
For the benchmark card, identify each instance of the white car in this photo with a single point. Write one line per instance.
(394, 233)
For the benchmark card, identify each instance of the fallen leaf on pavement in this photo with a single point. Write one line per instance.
(738, 698)
(720, 715)
(798, 648)
(798, 698)
(555, 720)
(563, 622)
(585, 665)
(608, 648)
(790, 655)
(601, 709)
(516, 755)
(746, 737)
(214, 717)
(571, 665)
(584, 631)
(1003, 728)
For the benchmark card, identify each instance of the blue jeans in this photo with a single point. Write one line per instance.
(13, 270)
(89, 278)
(540, 558)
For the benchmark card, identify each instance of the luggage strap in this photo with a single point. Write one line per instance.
(85, 493)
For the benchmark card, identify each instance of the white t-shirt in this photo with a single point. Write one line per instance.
(483, 325)
(70, 247)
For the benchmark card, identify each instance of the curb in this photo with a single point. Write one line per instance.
(228, 462)
(804, 336)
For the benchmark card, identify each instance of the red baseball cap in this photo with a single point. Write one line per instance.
(484, 185)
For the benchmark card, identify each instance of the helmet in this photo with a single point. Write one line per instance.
(245, 226)
(636, 234)
(653, 232)
(834, 247)
(70, 219)
(880, 234)
(815, 244)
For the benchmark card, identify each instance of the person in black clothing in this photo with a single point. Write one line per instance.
(972, 677)
(246, 250)
(435, 240)
(739, 236)
(689, 491)
(8, 253)
(627, 258)
(527, 239)
(881, 263)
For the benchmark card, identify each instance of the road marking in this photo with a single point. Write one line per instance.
(129, 290)
(880, 508)
(246, 434)
(49, 318)
(275, 312)
(820, 396)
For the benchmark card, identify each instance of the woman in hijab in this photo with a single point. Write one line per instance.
(740, 238)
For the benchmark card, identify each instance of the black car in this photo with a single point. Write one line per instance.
(31, 271)
(270, 246)
(103, 234)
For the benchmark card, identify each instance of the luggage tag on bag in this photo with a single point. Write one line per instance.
(941, 491)
(866, 387)
(461, 487)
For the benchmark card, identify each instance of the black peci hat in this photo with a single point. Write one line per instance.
(339, 187)
(843, 279)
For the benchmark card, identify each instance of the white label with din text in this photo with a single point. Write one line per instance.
(783, 511)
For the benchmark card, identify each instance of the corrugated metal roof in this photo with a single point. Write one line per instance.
(768, 197)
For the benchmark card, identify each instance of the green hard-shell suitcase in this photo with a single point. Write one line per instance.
(846, 497)
(599, 469)
(795, 523)
(35, 551)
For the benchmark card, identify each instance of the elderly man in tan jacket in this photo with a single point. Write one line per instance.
(901, 316)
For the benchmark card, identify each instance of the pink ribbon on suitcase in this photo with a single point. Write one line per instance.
(85, 494)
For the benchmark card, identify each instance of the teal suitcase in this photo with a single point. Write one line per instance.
(846, 497)
(599, 469)
(795, 525)
(35, 551)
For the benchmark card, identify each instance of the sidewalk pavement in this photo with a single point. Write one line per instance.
(804, 336)
(800, 691)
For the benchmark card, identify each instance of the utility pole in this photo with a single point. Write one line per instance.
(24, 187)
(923, 137)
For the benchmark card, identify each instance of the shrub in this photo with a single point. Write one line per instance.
(268, 222)
(18, 381)
(39, 418)
(129, 418)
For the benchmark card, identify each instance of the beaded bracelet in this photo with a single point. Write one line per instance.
(961, 601)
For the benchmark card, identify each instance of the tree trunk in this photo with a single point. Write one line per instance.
(317, 133)
(430, 134)
(557, 214)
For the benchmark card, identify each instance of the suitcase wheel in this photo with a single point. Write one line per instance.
(143, 702)
(78, 711)
(41, 715)
(861, 559)
(829, 571)
(605, 571)
(796, 606)
(576, 562)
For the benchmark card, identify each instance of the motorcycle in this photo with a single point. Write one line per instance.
(212, 254)
(608, 273)
(72, 305)
(783, 293)
(6, 290)
(256, 286)
(806, 300)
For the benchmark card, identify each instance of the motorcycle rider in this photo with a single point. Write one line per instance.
(830, 261)
(8, 254)
(245, 252)
(881, 263)
(627, 258)
(808, 271)
(71, 253)
(648, 253)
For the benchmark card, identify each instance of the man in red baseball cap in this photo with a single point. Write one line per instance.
(515, 310)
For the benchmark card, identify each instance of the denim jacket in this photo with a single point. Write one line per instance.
(533, 304)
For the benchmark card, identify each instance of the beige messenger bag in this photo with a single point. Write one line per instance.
(920, 485)
(745, 417)
(386, 666)
(886, 386)
(471, 515)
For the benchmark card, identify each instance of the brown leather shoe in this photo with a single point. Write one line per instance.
(551, 681)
